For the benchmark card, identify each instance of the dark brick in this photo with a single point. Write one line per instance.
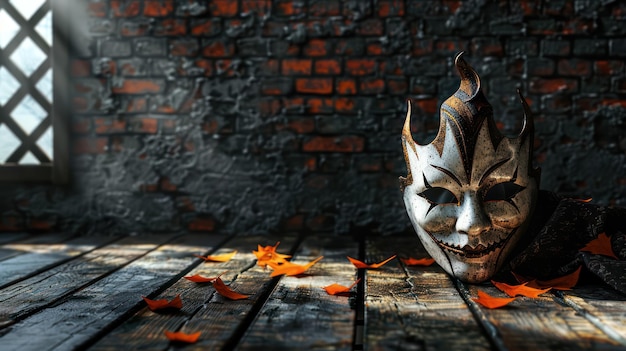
(590, 47)
(486, 47)
(150, 47)
(334, 124)
(539, 66)
(556, 103)
(371, 86)
(423, 85)
(217, 48)
(206, 27)
(608, 67)
(397, 86)
(617, 47)
(574, 67)
(252, 47)
(184, 47)
(324, 8)
(347, 143)
(552, 85)
(521, 47)
(113, 48)
(552, 47)
(371, 27)
(276, 86)
(541, 26)
(350, 47)
(170, 27)
(595, 85)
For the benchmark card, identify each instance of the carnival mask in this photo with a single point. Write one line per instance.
(471, 192)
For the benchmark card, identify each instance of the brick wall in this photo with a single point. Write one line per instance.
(254, 116)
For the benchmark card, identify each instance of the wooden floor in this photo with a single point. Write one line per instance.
(59, 292)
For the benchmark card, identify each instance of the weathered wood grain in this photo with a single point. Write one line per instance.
(94, 310)
(31, 295)
(542, 324)
(415, 308)
(145, 330)
(300, 315)
(603, 307)
(30, 244)
(36, 256)
(12, 237)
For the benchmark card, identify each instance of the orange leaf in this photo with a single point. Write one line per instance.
(225, 291)
(182, 337)
(161, 304)
(336, 289)
(566, 282)
(491, 301)
(268, 254)
(418, 262)
(197, 278)
(361, 264)
(218, 258)
(600, 246)
(289, 268)
(522, 289)
(584, 200)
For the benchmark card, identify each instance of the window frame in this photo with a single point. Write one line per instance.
(57, 171)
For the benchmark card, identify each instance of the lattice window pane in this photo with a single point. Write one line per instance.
(8, 142)
(45, 85)
(27, 7)
(28, 114)
(28, 56)
(9, 85)
(8, 28)
(44, 28)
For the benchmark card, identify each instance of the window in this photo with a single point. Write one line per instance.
(33, 71)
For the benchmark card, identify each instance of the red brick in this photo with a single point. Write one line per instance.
(422, 47)
(348, 143)
(346, 86)
(205, 27)
(324, 8)
(299, 125)
(374, 49)
(105, 125)
(81, 126)
(452, 5)
(171, 27)
(397, 86)
(166, 185)
(317, 47)
(81, 68)
(320, 106)
(202, 224)
(287, 8)
(328, 66)
(296, 67)
(546, 86)
(224, 8)
(371, 27)
(344, 105)
(138, 86)
(206, 65)
(609, 68)
(372, 86)
(97, 9)
(269, 107)
(260, 7)
(136, 104)
(387, 8)
(125, 8)
(80, 104)
(360, 67)
(183, 47)
(218, 48)
(450, 47)
(158, 8)
(90, 145)
(429, 106)
(314, 85)
(293, 223)
(574, 67)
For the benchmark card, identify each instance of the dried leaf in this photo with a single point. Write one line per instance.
(566, 282)
(218, 258)
(225, 291)
(289, 268)
(361, 264)
(522, 289)
(584, 200)
(491, 301)
(182, 337)
(268, 254)
(336, 289)
(600, 246)
(418, 262)
(154, 305)
(197, 278)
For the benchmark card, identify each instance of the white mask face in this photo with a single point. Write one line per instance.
(471, 192)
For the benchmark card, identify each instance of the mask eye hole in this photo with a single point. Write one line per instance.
(439, 196)
(503, 191)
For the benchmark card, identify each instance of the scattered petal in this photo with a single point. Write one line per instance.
(336, 289)
(182, 337)
(418, 262)
(522, 289)
(197, 278)
(491, 301)
(154, 305)
(289, 268)
(566, 282)
(600, 246)
(225, 291)
(218, 258)
(361, 264)
(267, 254)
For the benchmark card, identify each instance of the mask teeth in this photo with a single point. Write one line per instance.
(468, 251)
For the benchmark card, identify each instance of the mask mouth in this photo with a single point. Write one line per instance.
(472, 252)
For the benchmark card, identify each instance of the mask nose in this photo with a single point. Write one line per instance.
(472, 218)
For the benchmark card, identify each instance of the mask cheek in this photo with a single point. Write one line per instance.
(510, 215)
(440, 220)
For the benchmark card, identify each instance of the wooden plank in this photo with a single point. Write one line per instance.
(605, 308)
(36, 256)
(10, 237)
(415, 308)
(542, 323)
(145, 330)
(94, 310)
(300, 315)
(31, 295)
(32, 244)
